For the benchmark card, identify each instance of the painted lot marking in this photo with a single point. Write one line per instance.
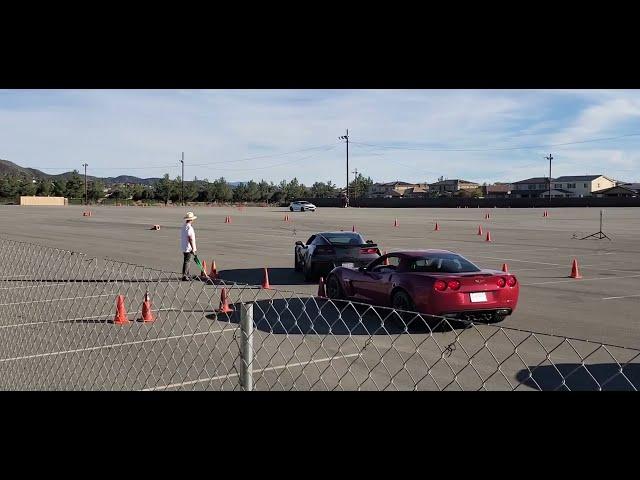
(580, 280)
(113, 345)
(260, 370)
(623, 296)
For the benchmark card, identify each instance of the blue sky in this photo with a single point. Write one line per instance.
(411, 135)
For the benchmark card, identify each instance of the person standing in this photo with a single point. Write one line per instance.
(187, 244)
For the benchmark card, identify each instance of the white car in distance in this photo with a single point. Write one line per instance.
(301, 206)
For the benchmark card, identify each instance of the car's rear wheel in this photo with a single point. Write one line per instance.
(497, 318)
(334, 289)
(296, 263)
(401, 300)
(291, 208)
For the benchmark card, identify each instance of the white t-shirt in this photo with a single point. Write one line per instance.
(187, 232)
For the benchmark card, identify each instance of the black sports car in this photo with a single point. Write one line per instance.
(327, 250)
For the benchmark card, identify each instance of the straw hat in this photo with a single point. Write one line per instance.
(190, 216)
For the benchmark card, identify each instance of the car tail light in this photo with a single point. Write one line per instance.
(368, 250)
(440, 285)
(453, 284)
(501, 282)
(511, 281)
(325, 249)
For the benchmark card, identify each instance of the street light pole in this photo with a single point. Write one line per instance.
(550, 157)
(86, 197)
(182, 194)
(346, 137)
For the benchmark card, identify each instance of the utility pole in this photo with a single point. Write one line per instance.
(346, 137)
(86, 198)
(550, 157)
(182, 194)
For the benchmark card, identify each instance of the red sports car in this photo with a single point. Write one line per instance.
(434, 282)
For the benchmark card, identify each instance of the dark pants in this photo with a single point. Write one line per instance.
(185, 263)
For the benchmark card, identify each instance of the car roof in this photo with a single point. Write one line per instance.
(338, 232)
(419, 253)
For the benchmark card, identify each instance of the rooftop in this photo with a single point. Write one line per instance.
(536, 180)
(578, 178)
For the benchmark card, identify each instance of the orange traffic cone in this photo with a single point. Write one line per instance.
(488, 239)
(575, 273)
(505, 268)
(121, 313)
(147, 314)
(437, 228)
(265, 280)
(479, 229)
(203, 272)
(395, 223)
(214, 271)
(321, 290)
(353, 228)
(224, 302)
(286, 218)
(386, 260)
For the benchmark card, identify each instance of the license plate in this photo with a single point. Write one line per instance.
(478, 296)
(348, 265)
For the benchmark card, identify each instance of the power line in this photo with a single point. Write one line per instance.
(494, 149)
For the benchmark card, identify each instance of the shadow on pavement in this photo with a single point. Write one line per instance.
(578, 377)
(311, 316)
(254, 276)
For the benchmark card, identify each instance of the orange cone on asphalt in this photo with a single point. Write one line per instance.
(203, 272)
(214, 271)
(488, 239)
(265, 280)
(395, 223)
(480, 230)
(505, 268)
(437, 227)
(321, 289)
(147, 314)
(224, 302)
(575, 273)
(286, 218)
(121, 312)
(386, 260)
(353, 228)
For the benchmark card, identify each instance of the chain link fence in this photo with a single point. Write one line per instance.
(57, 332)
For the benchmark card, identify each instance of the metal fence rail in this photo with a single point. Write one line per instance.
(57, 332)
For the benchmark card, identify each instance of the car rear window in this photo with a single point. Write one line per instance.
(344, 238)
(442, 263)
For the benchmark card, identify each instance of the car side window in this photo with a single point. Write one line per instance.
(393, 262)
(311, 239)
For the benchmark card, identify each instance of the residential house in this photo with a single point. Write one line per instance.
(421, 190)
(498, 190)
(389, 189)
(583, 185)
(617, 191)
(445, 187)
(531, 187)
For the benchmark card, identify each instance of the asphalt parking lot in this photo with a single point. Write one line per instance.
(600, 307)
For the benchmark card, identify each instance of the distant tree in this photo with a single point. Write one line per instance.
(44, 187)
(163, 189)
(27, 187)
(75, 185)
(360, 185)
(95, 190)
(59, 188)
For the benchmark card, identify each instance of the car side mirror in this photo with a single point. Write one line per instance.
(299, 243)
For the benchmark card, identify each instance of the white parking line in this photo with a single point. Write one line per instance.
(578, 281)
(231, 375)
(113, 345)
(623, 296)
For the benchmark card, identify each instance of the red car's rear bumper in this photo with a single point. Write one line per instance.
(441, 303)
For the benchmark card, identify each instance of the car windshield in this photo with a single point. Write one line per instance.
(346, 238)
(301, 202)
(442, 263)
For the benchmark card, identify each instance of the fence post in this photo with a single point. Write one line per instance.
(246, 346)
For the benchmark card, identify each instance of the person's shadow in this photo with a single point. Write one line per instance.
(578, 377)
